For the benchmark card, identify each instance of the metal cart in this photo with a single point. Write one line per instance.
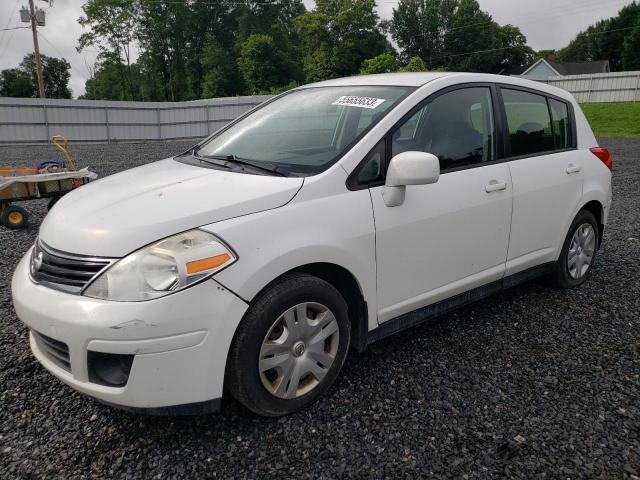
(48, 180)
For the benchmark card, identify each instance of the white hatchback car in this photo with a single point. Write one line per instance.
(333, 215)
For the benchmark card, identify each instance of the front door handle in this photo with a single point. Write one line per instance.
(494, 186)
(571, 168)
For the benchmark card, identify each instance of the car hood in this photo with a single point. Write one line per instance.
(123, 212)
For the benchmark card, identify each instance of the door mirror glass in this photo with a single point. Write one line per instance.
(413, 168)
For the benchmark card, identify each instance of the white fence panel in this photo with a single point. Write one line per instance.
(30, 120)
(600, 87)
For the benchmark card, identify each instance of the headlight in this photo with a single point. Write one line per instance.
(162, 268)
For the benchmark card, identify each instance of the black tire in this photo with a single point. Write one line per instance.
(243, 378)
(52, 202)
(14, 217)
(561, 277)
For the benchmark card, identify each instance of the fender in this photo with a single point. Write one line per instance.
(274, 242)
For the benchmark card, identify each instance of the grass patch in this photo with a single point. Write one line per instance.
(613, 119)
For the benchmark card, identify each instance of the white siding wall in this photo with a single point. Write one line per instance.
(540, 72)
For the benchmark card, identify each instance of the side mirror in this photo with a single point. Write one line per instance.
(409, 168)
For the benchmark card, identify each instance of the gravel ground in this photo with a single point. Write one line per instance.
(532, 383)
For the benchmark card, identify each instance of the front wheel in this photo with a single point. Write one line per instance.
(578, 252)
(290, 346)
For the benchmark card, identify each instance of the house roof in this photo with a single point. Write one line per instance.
(573, 68)
(579, 68)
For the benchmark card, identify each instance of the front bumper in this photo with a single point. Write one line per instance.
(180, 341)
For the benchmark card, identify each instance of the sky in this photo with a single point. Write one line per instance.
(547, 24)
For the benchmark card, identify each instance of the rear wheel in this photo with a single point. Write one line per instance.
(578, 252)
(14, 217)
(290, 346)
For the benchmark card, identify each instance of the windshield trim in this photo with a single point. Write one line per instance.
(320, 168)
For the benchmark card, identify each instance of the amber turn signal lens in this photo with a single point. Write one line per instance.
(207, 263)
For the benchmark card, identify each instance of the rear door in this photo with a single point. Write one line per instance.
(546, 171)
(451, 236)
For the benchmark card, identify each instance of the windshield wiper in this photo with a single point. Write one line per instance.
(264, 166)
(212, 161)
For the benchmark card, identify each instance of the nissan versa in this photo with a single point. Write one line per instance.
(333, 215)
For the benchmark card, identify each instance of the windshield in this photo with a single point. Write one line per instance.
(306, 130)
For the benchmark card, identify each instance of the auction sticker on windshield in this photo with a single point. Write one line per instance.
(362, 102)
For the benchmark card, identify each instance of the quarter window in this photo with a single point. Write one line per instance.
(457, 127)
(528, 121)
(371, 170)
(561, 124)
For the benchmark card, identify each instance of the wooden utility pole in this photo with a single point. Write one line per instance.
(36, 48)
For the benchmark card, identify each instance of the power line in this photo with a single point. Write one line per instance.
(60, 53)
(15, 7)
(12, 28)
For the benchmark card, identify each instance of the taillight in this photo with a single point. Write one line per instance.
(604, 156)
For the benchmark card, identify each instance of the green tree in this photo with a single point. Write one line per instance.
(210, 25)
(415, 64)
(470, 30)
(55, 72)
(219, 75)
(456, 35)
(163, 31)
(277, 20)
(111, 25)
(631, 51)
(14, 82)
(419, 28)
(337, 36)
(262, 64)
(604, 40)
(383, 63)
(23, 81)
(107, 82)
(514, 49)
(544, 54)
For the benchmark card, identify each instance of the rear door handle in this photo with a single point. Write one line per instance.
(494, 186)
(571, 168)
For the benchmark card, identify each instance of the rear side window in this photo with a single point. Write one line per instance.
(561, 124)
(528, 121)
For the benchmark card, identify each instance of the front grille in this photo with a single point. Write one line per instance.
(64, 271)
(55, 350)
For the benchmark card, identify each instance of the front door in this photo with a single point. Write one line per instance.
(451, 236)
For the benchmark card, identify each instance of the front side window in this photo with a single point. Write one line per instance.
(561, 124)
(457, 127)
(305, 131)
(528, 121)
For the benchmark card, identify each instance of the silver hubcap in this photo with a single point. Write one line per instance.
(298, 350)
(583, 245)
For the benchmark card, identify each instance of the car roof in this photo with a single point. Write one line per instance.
(416, 79)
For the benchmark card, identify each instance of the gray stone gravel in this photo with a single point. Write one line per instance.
(532, 383)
